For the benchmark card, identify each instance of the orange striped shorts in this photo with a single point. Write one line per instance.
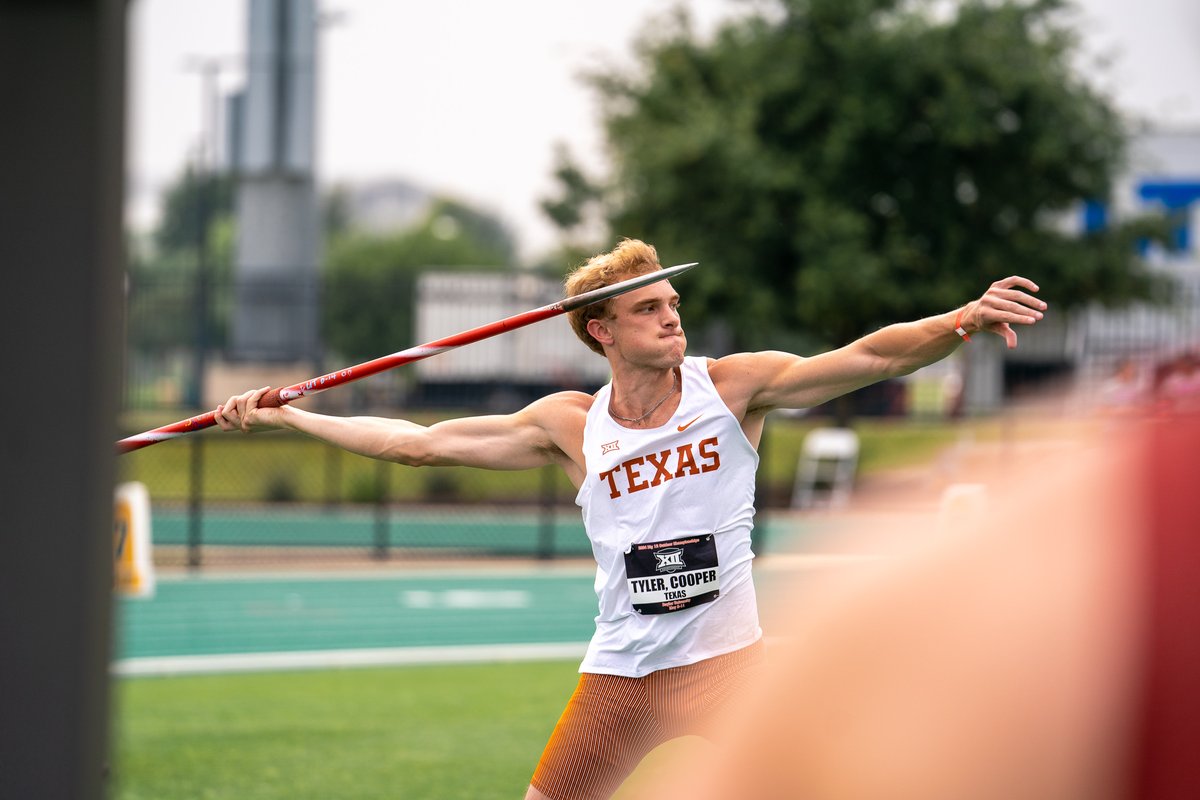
(611, 721)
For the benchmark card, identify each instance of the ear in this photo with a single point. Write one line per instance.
(600, 331)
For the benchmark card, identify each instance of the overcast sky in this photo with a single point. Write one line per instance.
(469, 97)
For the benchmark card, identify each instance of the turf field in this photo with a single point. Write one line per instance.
(442, 732)
(493, 531)
(281, 613)
(467, 730)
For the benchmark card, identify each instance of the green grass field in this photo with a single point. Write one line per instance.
(445, 732)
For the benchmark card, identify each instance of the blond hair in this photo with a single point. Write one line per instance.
(628, 259)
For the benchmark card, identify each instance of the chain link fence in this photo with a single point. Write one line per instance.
(233, 500)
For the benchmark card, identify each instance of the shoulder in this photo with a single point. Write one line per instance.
(741, 377)
(561, 417)
(748, 366)
(565, 401)
(560, 408)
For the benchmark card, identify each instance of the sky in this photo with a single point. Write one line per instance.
(470, 97)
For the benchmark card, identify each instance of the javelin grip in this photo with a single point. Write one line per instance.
(272, 400)
(280, 397)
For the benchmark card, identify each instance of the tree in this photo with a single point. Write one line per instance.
(837, 165)
(194, 235)
(193, 201)
(370, 280)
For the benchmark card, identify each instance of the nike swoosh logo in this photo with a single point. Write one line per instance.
(687, 425)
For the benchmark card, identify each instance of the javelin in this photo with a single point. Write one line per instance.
(279, 397)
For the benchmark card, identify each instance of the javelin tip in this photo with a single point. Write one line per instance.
(636, 282)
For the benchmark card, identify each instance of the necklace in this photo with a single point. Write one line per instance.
(674, 385)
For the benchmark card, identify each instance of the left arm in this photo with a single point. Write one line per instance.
(758, 382)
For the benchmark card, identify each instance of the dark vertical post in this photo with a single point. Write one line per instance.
(199, 363)
(333, 477)
(61, 156)
(195, 536)
(546, 517)
(205, 184)
(382, 511)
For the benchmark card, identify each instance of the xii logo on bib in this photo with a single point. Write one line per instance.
(672, 575)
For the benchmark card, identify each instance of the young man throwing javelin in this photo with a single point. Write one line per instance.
(664, 458)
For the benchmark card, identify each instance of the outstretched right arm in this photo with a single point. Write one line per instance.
(541, 433)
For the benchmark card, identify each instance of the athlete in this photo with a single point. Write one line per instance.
(664, 458)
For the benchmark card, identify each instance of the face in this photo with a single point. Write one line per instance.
(644, 326)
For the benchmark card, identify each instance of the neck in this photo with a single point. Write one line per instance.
(639, 400)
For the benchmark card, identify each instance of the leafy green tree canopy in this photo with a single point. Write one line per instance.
(194, 201)
(837, 165)
(194, 237)
(370, 280)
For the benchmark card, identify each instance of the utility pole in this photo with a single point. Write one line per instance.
(204, 177)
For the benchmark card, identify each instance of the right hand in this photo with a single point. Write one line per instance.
(241, 412)
(1006, 303)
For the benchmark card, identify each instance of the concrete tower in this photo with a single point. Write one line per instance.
(275, 313)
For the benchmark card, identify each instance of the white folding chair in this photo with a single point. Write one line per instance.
(825, 472)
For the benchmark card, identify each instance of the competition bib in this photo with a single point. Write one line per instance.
(672, 575)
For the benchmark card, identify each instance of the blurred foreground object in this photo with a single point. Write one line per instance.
(1040, 645)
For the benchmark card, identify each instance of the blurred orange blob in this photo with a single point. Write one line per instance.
(1037, 640)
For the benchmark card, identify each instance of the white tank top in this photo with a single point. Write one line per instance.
(669, 512)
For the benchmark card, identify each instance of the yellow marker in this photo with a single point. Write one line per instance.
(133, 564)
